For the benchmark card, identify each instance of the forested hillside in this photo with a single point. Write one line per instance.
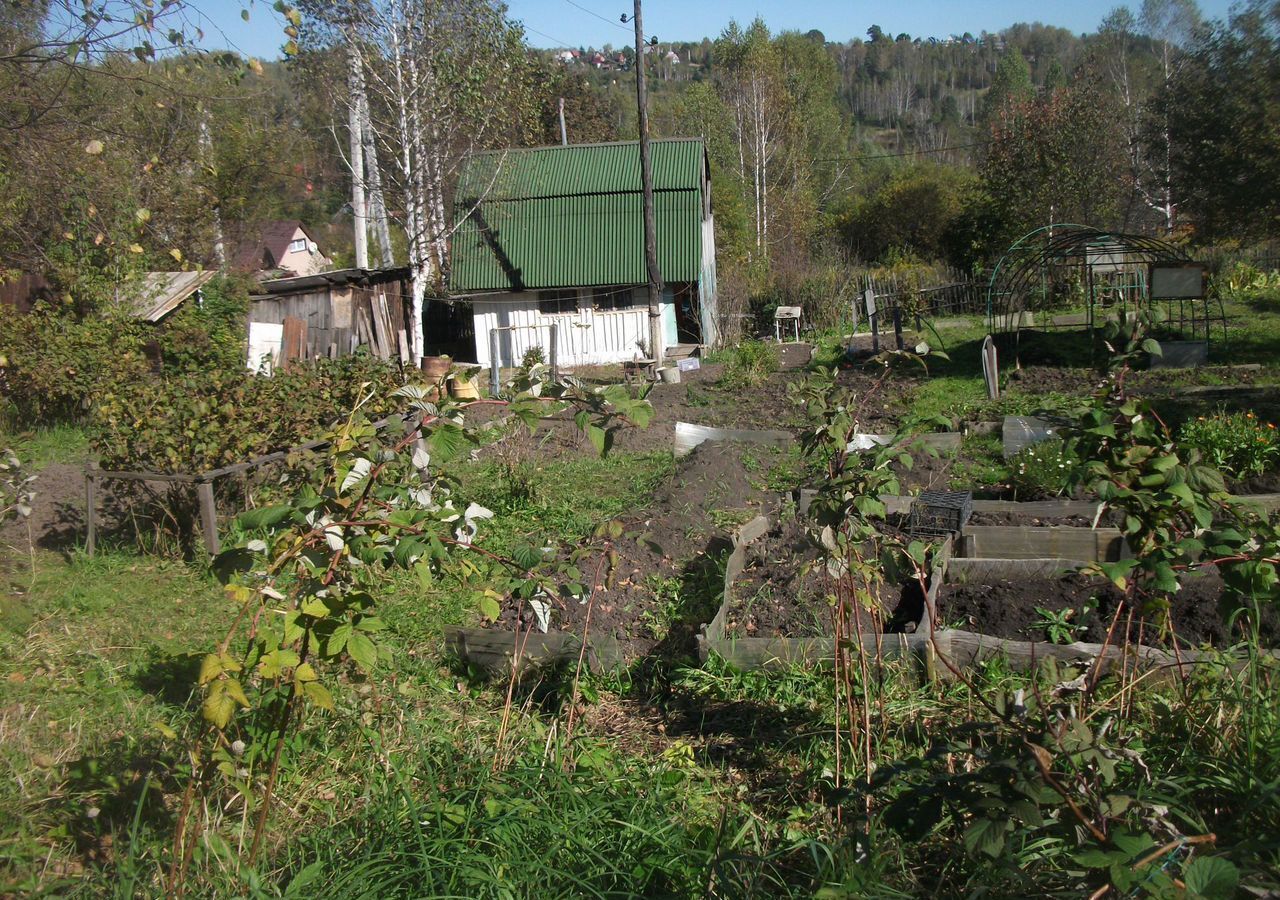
(874, 151)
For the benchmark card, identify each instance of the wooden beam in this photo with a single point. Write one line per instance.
(208, 518)
(91, 512)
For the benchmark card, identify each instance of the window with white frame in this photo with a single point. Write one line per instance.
(557, 303)
(607, 299)
(298, 245)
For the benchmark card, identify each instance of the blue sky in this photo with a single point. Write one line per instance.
(552, 23)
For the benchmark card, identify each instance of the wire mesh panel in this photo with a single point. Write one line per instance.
(939, 513)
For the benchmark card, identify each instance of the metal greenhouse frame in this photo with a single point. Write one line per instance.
(1066, 265)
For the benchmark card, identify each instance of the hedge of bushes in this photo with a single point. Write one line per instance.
(174, 397)
(56, 361)
(200, 420)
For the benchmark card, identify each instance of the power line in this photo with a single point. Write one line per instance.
(552, 38)
(592, 12)
(905, 153)
(613, 22)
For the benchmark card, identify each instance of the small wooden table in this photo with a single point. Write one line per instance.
(634, 370)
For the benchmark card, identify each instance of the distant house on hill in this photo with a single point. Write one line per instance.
(281, 247)
(551, 240)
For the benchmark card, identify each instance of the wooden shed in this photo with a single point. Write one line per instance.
(549, 249)
(329, 315)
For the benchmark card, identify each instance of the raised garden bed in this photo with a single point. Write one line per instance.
(657, 592)
(726, 635)
(983, 552)
(1009, 608)
(784, 590)
(998, 618)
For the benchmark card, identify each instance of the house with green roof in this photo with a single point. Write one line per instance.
(551, 240)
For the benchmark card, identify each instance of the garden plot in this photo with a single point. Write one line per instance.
(1073, 609)
(784, 590)
(776, 610)
(658, 581)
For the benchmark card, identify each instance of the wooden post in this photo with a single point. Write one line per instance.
(208, 517)
(554, 349)
(873, 318)
(897, 325)
(495, 364)
(90, 512)
(990, 370)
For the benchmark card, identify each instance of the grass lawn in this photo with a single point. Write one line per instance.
(668, 780)
(38, 447)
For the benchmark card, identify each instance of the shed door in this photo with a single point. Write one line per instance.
(670, 331)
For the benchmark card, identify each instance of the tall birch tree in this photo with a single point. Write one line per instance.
(752, 88)
(442, 79)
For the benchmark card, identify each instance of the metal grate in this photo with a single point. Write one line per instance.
(939, 513)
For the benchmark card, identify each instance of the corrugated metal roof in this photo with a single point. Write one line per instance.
(163, 292)
(572, 217)
(580, 169)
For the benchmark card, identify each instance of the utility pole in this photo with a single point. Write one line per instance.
(564, 134)
(646, 178)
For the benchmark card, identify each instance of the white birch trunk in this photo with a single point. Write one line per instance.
(377, 199)
(206, 150)
(359, 222)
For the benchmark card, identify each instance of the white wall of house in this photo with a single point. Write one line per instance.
(586, 336)
(301, 258)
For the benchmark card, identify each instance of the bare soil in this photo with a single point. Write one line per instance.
(699, 399)
(1266, 483)
(669, 558)
(785, 591)
(1110, 518)
(1007, 609)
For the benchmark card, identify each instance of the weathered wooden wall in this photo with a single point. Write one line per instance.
(341, 318)
(23, 292)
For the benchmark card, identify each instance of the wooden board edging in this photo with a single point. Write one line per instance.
(497, 650)
(1042, 542)
(966, 649)
(749, 653)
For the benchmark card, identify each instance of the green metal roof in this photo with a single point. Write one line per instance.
(572, 217)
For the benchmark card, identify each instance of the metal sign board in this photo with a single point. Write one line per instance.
(1177, 281)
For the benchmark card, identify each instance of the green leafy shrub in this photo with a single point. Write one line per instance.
(1238, 444)
(1244, 281)
(1042, 470)
(208, 335)
(54, 364)
(51, 365)
(195, 421)
(534, 356)
(749, 364)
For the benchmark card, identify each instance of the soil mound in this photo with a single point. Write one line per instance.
(664, 578)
